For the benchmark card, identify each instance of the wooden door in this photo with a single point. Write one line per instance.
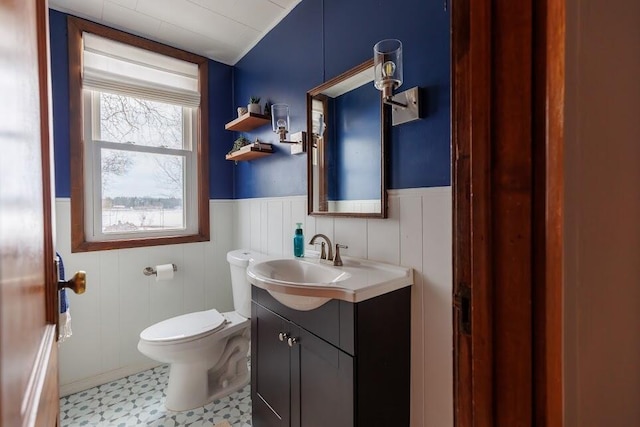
(507, 101)
(28, 295)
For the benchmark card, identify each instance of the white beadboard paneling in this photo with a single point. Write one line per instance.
(215, 295)
(218, 279)
(191, 16)
(126, 19)
(257, 14)
(411, 256)
(221, 30)
(84, 9)
(264, 226)
(83, 348)
(353, 233)
(438, 329)
(134, 302)
(109, 310)
(129, 4)
(384, 235)
(242, 224)
(417, 234)
(287, 227)
(256, 224)
(194, 277)
(286, 3)
(222, 225)
(275, 227)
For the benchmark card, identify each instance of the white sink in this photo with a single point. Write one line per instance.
(298, 272)
(306, 284)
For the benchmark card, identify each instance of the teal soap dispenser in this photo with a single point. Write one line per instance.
(298, 242)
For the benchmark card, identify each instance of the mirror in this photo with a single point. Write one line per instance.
(347, 128)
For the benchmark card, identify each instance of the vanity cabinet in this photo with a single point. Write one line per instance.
(341, 365)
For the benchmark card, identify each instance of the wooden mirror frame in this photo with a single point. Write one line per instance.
(385, 128)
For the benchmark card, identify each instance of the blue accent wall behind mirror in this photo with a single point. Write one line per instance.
(321, 39)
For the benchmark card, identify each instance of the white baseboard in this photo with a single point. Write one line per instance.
(87, 383)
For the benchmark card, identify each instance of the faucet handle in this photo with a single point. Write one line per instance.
(337, 261)
(323, 252)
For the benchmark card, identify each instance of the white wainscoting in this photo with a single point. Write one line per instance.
(417, 234)
(120, 301)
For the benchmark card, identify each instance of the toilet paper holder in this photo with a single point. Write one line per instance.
(150, 271)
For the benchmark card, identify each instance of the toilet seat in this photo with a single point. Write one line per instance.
(186, 327)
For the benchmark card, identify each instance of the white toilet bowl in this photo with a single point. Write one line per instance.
(207, 350)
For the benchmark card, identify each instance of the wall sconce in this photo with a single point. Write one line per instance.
(280, 125)
(387, 67)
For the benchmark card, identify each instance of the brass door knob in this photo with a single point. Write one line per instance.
(78, 283)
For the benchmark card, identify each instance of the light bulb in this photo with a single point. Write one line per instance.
(388, 69)
(281, 123)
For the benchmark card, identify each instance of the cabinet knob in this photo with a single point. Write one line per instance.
(291, 341)
(283, 336)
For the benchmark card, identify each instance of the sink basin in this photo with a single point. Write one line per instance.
(288, 273)
(297, 272)
(306, 284)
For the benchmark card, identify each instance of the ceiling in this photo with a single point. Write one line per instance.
(223, 30)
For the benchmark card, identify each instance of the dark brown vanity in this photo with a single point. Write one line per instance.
(342, 364)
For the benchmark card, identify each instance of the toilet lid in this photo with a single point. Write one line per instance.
(185, 326)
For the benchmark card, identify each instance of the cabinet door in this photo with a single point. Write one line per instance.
(326, 378)
(270, 361)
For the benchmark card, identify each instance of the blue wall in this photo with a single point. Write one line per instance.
(220, 112)
(320, 39)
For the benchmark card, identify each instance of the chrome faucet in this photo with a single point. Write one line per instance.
(328, 257)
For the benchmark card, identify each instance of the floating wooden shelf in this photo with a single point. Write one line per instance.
(249, 153)
(247, 122)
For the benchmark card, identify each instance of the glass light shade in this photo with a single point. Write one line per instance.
(280, 118)
(387, 65)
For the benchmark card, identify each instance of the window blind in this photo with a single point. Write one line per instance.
(114, 67)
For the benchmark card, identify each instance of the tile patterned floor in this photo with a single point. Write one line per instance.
(137, 400)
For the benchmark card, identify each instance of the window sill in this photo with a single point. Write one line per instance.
(107, 245)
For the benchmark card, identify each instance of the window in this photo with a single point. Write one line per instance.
(138, 141)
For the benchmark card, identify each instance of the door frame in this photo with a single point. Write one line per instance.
(507, 79)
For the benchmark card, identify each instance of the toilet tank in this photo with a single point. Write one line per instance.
(238, 261)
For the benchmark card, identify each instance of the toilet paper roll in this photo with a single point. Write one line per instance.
(164, 272)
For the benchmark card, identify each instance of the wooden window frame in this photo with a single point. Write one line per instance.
(79, 241)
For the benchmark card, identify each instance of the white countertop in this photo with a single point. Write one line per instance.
(367, 279)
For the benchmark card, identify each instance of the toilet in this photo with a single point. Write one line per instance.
(207, 350)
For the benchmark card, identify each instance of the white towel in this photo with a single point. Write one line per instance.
(64, 319)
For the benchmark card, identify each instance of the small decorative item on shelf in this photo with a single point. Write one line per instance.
(242, 111)
(249, 151)
(267, 109)
(262, 146)
(238, 144)
(254, 105)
